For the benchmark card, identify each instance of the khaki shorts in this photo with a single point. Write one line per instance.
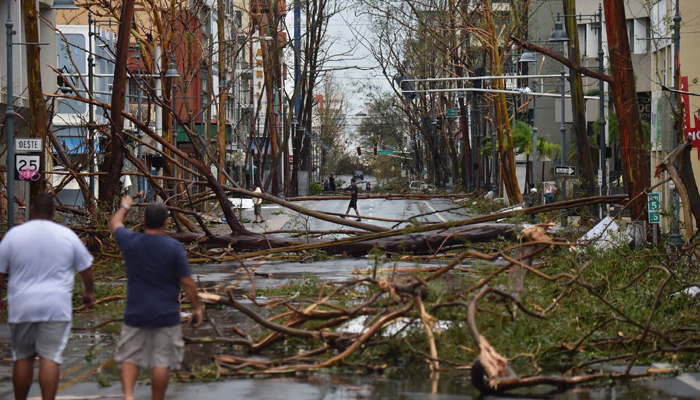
(47, 339)
(151, 347)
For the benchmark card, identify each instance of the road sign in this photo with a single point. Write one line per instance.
(564, 170)
(600, 177)
(28, 167)
(291, 159)
(385, 152)
(654, 204)
(452, 112)
(28, 145)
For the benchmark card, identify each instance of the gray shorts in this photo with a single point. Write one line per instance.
(47, 339)
(257, 208)
(151, 347)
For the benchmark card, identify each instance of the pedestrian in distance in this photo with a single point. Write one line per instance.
(156, 267)
(368, 187)
(40, 258)
(331, 183)
(353, 200)
(550, 197)
(325, 185)
(257, 207)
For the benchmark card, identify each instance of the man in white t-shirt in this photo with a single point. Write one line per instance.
(40, 258)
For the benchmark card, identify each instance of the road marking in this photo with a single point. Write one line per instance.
(92, 371)
(64, 373)
(685, 378)
(435, 211)
(690, 381)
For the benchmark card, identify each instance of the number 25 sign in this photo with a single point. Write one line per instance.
(28, 167)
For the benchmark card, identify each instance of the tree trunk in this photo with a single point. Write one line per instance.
(585, 159)
(624, 93)
(114, 158)
(502, 122)
(416, 243)
(221, 120)
(37, 107)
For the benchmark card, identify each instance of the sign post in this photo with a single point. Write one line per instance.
(564, 170)
(654, 204)
(29, 162)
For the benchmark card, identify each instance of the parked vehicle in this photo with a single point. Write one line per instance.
(416, 186)
(358, 175)
(426, 188)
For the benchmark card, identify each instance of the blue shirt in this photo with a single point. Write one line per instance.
(154, 266)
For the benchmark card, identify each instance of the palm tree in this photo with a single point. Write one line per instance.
(545, 148)
(522, 141)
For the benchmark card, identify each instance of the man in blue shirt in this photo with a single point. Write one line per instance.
(550, 198)
(156, 267)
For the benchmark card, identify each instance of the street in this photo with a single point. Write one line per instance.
(89, 371)
(87, 351)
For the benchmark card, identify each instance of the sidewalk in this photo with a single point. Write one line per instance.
(273, 219)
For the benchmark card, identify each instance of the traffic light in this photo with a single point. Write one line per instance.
(407, 87)
(438, 125)
(375, 150)
(479, 83)
(359, 150)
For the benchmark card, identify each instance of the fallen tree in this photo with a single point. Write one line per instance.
(398, 310)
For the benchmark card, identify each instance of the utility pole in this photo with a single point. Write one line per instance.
(10, 124)
(676, 239)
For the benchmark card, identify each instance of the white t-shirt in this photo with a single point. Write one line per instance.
(41, 257)
(257, 200)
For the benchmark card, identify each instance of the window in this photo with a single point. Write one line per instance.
(630, 34)
(582, 39)
(641, 30)
(134, 89)
(592, 33)
(662, 72)
(74, 46)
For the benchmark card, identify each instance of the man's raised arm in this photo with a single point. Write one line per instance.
(117, 220)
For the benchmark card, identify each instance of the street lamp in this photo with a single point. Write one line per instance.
(559, 35)
(172, 73)
(527, 58)
(172, 69)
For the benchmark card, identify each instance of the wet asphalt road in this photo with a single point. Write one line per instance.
(87, 351)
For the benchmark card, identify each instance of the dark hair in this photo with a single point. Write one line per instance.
(42, 205)
(352, 180)
(155, 215)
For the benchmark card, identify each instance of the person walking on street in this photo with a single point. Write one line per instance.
(353, 199)
(368, 186)
(257, 206)
(40, 258)
(331, 183)
(156, 267)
